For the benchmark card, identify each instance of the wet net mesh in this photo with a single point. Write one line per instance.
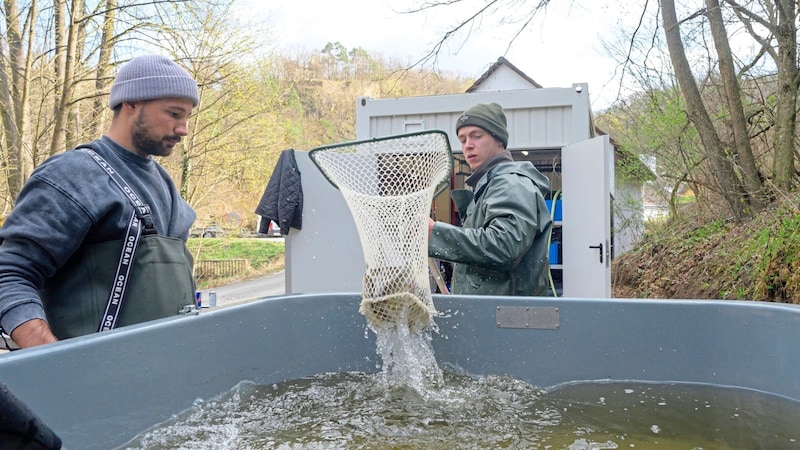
(388, 185)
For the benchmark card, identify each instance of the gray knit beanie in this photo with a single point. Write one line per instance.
(488, 116)
(150, 77)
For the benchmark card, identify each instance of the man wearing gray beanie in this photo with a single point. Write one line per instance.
(152, 76)
(97, 238)
(501, 247)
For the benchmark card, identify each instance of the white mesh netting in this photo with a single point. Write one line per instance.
(389, 184)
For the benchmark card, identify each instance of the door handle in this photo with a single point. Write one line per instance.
(599, 247)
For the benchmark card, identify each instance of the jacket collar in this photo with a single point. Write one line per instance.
(504, 156)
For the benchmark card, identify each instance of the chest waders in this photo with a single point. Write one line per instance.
(151, 273)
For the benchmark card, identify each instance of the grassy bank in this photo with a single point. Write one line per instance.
(262, 256)
(758, 259)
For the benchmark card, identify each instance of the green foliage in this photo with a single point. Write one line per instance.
(630, 168)
(779, 263)
(264, 256)
(259, 252)
(705, 232)
(718, 259)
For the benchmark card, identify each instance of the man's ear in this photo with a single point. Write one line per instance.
(131, 105)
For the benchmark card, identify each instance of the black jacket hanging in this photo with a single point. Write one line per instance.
(282, 201)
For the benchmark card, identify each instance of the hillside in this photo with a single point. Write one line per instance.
(696, 258)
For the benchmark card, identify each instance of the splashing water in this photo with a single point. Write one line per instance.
(412, 403)
(358, 411)
(408, 358)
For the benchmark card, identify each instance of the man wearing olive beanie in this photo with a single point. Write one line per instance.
(490, 117)
(63, 242)
(501, 247)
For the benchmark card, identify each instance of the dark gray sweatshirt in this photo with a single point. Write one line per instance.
(70, 201)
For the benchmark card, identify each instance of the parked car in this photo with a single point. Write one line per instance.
(212, 231)
(274, 229)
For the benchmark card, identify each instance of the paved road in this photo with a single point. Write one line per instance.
(248, 290)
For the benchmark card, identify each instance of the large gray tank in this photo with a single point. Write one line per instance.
(99, 391)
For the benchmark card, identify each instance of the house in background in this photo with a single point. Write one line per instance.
(550, 127)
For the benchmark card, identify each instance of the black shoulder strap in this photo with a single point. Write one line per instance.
(141, 217)
(142, 210)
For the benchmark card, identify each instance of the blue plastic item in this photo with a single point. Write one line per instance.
(554, 247)
(557, 213)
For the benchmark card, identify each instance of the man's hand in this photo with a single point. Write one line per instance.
(431, 222)
(32, 333)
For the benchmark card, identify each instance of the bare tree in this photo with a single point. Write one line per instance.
(66, 81)
(738, 178)
(778, 18)
(209, 42)
(14, 85)
(733, 97)
(788, 82)
(715, 151)
(55, 65)
(516, 14)
(102, 79)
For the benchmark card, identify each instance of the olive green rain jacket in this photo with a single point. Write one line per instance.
(502, 246)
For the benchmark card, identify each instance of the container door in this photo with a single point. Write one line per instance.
(587, 174)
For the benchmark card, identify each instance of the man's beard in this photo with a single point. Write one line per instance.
(144, 142)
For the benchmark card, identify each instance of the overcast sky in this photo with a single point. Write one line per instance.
(560, 49)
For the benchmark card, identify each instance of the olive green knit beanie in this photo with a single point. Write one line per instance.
(488, 116)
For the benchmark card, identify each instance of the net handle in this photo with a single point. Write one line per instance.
(437, 275)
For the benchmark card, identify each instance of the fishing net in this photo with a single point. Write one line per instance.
(388, 185)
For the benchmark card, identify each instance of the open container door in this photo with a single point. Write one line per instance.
(587, 174)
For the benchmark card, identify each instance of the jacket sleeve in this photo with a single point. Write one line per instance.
(45, 227)
(510, 212)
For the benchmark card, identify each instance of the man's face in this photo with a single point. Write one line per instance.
(159, 125)
(478, 146)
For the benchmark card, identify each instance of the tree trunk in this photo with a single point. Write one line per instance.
(12, 76)
(721, 165)
(100, 102)
(730, 83)
(60, 18)
(63, 106)
(788, 83)
(74, 130)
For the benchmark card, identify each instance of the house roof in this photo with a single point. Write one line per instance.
(642, 171)
(501, 61)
